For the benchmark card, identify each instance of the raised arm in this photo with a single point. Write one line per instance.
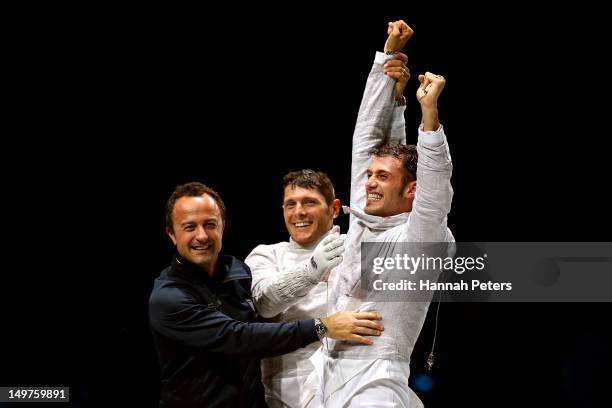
(434, 193)
(377, 109)
(397, 68)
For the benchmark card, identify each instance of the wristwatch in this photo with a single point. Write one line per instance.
(320, 328)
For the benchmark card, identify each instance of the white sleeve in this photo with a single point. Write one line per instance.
(434, 193)
(372, 127)
(274, 289)
(397, 133)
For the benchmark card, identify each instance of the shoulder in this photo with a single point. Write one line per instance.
(236, 266)
(169, 295)
(263, 252)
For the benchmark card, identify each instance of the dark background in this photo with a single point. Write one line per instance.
(113, 109)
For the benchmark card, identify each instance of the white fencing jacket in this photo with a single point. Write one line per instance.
(427, 222)
(282, 292)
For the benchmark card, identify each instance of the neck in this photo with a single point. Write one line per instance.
(210, 269)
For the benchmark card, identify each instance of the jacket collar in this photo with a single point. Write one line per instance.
(228, 268)
(376, 222)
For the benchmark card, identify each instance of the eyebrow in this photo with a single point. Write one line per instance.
(195, 223)
(301, 199)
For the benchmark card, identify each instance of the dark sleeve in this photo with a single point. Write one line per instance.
(177, 315)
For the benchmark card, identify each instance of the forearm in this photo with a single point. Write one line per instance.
(434, 192)
(430, 119)
(278, 291)
(215, 332)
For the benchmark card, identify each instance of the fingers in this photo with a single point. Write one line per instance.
(397, 69)
(335, 243)
(396, 30)
(393, 29)
(398, 73)
(394, 63)
(398, 34)
(359, 339)
(399, 61)
(335, 252)
(425, 84)
(406, 31)
(365, 331)
(370, 324)
(399, 28)
(433, 82)
(436, 79)
(400, 56)
(368, 315)
(334, 262)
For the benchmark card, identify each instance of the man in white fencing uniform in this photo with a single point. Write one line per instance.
(387, 207)
(290, 278)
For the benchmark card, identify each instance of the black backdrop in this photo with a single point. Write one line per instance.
(115, 108)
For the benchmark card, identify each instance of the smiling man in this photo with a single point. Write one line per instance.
(289, 279)
(204, 326)
(388, 208)
(309, 205)
(390, 190)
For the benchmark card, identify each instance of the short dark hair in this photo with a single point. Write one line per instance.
(408, 156)
(193, 189)
(307, 178)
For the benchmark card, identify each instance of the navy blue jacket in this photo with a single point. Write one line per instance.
(207, 342)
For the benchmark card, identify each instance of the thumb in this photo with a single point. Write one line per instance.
(396, 30)
(329, 238)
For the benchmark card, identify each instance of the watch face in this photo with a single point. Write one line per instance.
(320, 329)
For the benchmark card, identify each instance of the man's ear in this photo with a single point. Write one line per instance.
(335, 205)
(410, 190)
(170, 233)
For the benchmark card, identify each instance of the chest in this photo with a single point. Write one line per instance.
(232, 298)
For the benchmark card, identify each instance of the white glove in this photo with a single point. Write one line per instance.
(326, 256)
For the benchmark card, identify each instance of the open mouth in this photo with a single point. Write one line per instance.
(374, 196)
(202, 248)
(302, 224)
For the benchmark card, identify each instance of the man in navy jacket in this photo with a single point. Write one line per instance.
(203, 320)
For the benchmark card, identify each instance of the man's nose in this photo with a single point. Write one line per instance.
(300, 209)
(201, 234)
(371, 183)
